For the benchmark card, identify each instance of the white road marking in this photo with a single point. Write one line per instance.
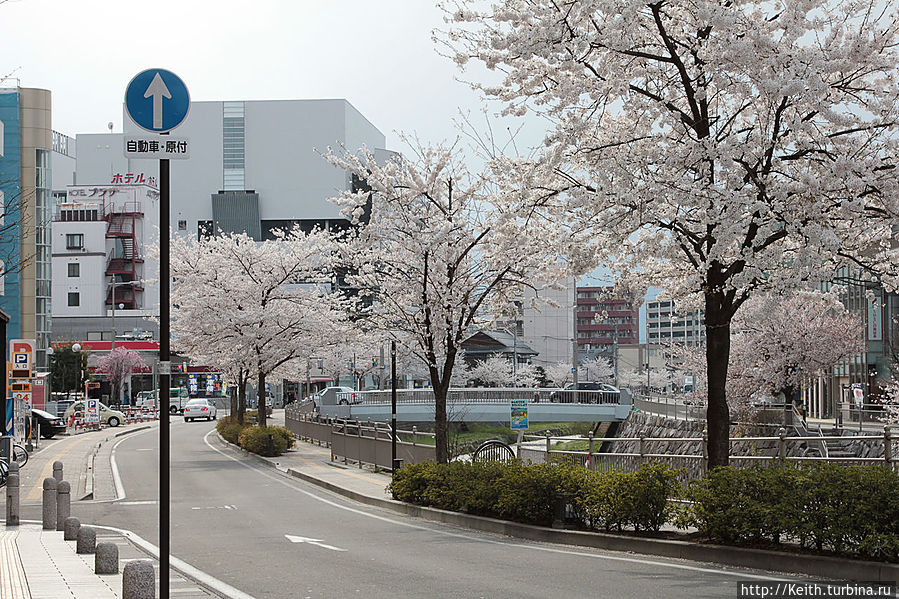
(647, 562)
(147, 502)
(216, 507)
(316, 542)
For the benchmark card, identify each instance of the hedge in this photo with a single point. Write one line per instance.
(527, 493)
(255, 438)
(848, 510)
(844, 509)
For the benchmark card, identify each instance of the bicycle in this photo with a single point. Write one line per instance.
(19, 455)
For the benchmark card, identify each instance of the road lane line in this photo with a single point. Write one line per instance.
(617, 558)
(116, 479)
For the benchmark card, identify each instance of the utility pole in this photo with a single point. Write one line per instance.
(574, 361)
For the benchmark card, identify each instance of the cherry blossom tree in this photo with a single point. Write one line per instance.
(493, 371)
(118, 365)
(595, 369)
(559, 373)
(255, 307)
(785, 342)
(438, 252)
(724, 148)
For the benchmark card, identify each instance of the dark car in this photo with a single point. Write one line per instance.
(593, 392)
(50, 425)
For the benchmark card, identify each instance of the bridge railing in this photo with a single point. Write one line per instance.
(482, 395)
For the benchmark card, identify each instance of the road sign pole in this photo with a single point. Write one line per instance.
(393, 407)
(165, 357)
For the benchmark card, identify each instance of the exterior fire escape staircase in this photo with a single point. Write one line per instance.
(121, 224)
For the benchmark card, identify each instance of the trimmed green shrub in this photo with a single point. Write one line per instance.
(528, 493)
(845, 509)
(255, 439)
(230, 429)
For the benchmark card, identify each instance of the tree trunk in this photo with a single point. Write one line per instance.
(242, 398)
(440, 428)
(260, 399)
(717, 326)
(234, 401)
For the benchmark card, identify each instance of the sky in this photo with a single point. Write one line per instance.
(377, 54)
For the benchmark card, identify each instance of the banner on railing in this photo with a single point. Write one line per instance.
(518, 414)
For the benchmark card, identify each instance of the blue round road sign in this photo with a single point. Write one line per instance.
(157, 100)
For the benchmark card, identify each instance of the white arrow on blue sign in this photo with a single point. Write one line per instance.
(157, 100)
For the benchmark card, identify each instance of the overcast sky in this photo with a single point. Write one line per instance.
(378, 54)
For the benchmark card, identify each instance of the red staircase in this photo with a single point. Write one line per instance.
(121, 224)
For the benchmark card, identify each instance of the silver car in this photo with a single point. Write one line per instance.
(199, 408)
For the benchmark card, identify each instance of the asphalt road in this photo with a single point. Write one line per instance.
(231, 517)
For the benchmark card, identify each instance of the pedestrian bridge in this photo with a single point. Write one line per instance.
(482, 405)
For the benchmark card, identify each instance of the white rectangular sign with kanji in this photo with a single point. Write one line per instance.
(148, 147)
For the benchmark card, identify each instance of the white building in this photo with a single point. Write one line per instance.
(254, 166)
(547, 320)
(666, 326)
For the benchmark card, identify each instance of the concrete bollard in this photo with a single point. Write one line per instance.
(106, 560)
(49, 503)
(70, 529)
(138, 580)
(57, 471)
(12, 500)
(63, 503)
(87, 540)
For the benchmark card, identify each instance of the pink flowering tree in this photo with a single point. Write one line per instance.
(715, 149)
(118, 365)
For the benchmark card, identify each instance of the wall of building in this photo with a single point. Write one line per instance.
(547, 324)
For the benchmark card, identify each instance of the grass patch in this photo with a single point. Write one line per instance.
(476, 433)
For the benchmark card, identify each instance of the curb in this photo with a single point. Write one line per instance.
(820, 566)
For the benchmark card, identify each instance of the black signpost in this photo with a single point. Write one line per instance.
(158, 101)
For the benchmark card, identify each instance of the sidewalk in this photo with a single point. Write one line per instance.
(39, 564)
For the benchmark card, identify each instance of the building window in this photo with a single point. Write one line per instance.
(74, 241)
(74, 269)
(74, 299)
(182, 225)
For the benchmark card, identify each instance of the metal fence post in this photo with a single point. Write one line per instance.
(642, 449)
(548, 447)
(359, 441)
(590, 452)
(782, 443)
(888, 445)
(705, 451)
(414, 435)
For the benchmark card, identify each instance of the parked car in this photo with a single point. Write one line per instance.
(50, 425)
(336, 395)
(199, 408)
(108, 416)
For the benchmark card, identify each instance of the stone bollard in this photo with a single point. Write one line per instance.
(57, 471)
(12, 500)
(138, 580)
(106, 560)
(63, 503)
(49, 503)
(87, 540)
(70, 529)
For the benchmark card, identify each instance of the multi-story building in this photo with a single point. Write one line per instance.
(664, 325)
(254, 166)
(25, 197)
(101, 238)
(547, 323)
(604, 320)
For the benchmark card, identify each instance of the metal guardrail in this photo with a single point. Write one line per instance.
(485, 395)
(766, 451)
(360, 442)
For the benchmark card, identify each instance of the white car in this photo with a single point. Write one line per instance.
(332, 396)
(199, 408)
